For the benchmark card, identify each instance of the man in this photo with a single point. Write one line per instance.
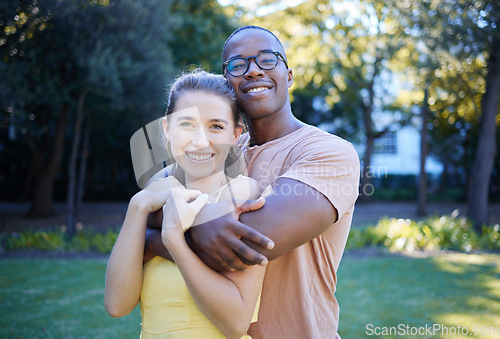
(313, 178)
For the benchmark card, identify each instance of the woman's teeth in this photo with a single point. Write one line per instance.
(199, 157)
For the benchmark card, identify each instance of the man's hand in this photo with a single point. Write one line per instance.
(221, 238)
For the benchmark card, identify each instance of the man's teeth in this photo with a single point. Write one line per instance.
(258, 89)
(199, 157)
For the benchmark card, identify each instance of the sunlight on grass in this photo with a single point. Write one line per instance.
(449, 290)
(51, 298)
(487, 280)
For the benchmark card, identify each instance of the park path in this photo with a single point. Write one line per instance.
(104, 215)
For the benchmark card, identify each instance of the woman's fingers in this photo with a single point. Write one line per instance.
(187, 204)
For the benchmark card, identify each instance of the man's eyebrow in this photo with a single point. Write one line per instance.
(241, 55)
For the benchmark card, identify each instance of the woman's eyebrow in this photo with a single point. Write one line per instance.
(185, 117)
(220, 120)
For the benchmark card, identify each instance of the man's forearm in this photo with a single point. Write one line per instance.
(155, 247)
(301, 217)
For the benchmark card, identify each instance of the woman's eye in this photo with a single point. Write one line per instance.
(218, 127)
(186, 124)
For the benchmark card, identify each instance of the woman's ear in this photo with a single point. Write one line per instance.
(237, 132)
(166, 130)
(290, 78)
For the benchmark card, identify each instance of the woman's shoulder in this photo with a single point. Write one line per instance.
(240, 188)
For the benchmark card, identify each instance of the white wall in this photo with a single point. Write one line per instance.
(407, 158)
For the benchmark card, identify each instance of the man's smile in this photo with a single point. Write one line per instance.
(256, 87)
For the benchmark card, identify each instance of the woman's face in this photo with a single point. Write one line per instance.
(201, 132)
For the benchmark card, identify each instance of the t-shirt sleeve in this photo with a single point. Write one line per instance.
(331, 166)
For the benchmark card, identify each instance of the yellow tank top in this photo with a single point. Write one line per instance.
(167, 309)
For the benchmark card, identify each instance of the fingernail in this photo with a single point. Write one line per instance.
(263, 262)
(270, 245)
(232, 269)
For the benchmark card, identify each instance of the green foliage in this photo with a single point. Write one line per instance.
(120, 54)
(83, 241)
(103, 242)
(435, 233)
(395, 194)
(490, 237)
(42, 240)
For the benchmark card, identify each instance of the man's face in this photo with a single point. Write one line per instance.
(261, 93)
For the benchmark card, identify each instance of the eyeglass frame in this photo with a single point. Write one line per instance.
(247, 60)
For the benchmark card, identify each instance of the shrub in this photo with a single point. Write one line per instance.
(434, 233)
(43, 240)
(82, 241)
(104, 242)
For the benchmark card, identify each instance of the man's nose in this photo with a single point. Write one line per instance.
(254, 71)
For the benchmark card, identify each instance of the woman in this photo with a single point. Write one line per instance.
(187, 299)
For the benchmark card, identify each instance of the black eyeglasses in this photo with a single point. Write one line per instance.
(265, 60)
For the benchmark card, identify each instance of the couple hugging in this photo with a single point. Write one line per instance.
(252, 253)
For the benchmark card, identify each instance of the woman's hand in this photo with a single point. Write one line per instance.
(180, 211)
(155, 195)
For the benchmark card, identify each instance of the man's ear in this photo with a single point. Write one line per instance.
(290, 78)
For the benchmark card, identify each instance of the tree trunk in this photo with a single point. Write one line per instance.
(366, 178)
(83, 171)
(366, 186)
(483, 163)
(443, 178)
(72, 165)
(42, 204)
(422, 179)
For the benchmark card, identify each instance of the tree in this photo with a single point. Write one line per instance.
(340, 53)
(26, 65)
(75, 55)
(466, 33)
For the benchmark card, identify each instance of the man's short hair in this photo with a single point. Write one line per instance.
(242, 28)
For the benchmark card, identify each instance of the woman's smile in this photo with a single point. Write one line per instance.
(200, 156)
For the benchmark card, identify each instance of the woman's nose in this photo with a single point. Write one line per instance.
(201, 140)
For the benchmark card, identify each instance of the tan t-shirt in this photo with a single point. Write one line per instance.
(298, 293)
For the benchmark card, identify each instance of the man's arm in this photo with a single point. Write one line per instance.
(236, 231)
(293, 214)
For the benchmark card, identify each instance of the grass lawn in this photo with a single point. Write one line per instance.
(55, 298)
(63, 298)
(411, 293)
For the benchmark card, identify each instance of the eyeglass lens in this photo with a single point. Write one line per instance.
(265, 60)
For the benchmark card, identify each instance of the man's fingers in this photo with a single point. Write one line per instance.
(232, 260)
(250, 234)
(249, 254)
(252, 205)
(223, 263)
